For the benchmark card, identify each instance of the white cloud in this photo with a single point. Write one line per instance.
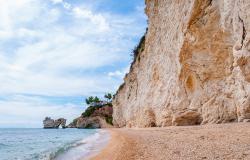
(97, 19)
(23, 111)
(66, 5)
(14, 14)
(50, 50)
(57, 1)
(119, 73)
(115, 74)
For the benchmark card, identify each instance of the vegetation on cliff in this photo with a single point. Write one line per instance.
(139, 48)
(96, 107)
(97, 115)
(92, 99)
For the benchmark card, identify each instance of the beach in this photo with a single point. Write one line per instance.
(217, 141)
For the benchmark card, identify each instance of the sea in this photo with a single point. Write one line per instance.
(51, 144)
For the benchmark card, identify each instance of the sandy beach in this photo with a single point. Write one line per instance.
(223, 141)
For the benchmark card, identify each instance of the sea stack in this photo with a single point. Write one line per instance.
(49, 123)
(192, 67)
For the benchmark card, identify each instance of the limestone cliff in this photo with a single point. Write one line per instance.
(194, 69)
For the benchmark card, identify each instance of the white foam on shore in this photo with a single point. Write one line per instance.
(86, 148)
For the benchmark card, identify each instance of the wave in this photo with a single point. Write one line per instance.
(61, 150)
(51, 155)
(85, 147)
(3, 145)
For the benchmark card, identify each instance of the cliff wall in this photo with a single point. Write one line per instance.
(194, 69)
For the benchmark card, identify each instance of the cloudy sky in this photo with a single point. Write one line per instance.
(54, 53)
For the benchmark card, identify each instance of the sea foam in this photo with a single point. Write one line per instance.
(53, 144)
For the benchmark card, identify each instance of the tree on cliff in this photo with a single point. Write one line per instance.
(96, 99)
(92, 99)
(108, 96)
(89, 100)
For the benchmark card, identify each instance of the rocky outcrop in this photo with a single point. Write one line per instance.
(100, 118)
(104, 111)
(51, 123)
(90, 122)
(60, 121)
(48, 123)
(194, 68)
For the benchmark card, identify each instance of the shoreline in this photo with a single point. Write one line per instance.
(217, 141)
(95, 143)
(87, 147)
(118, 142)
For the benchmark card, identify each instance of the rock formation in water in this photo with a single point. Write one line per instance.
(98, 116)
(194, 67)
(60, 121)
(51, 123)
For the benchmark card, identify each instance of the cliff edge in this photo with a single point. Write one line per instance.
(194, 67)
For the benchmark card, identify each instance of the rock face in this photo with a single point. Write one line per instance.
(98, 119)
(105, 111)
(91, 122)
(60, 121)
(195, 68)
(50, 123)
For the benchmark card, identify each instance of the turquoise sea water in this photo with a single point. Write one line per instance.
(50, 144)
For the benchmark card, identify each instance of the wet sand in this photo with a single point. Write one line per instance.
(223, 141)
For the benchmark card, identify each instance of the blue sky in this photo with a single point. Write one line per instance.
(54, 53)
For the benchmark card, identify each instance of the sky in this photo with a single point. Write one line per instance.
(55, 53)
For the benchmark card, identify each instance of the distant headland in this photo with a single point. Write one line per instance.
(97, 115)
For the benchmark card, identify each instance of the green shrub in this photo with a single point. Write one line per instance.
(89, 111)
(108, 96)
(140, 47)
(109, 120)
(92, 99)
(75, 121)
(89, 126)
(96, 99)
